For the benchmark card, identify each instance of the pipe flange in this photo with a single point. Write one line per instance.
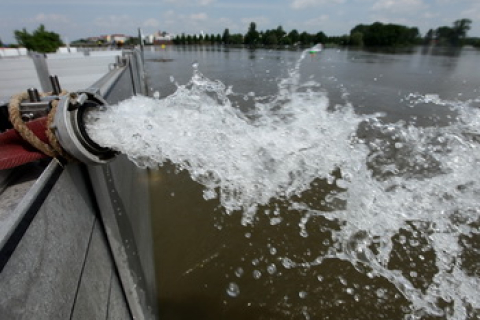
(70, 128)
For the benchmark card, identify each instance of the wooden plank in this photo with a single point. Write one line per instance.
(40, 279)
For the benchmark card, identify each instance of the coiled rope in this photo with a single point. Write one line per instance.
(52, 148)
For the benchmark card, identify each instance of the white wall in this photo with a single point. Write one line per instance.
(12, 52)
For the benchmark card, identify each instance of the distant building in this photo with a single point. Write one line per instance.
(159, 38)
(116, 38)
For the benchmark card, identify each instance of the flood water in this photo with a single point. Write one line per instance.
(341, 185)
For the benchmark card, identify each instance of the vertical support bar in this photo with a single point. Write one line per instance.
(141, 72)
(140, 38)
(55, 85)
(42, 71)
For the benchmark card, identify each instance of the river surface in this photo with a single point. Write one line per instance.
(285, 185)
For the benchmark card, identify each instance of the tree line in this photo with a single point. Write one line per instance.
(254, 38)
(373, 35)
(391, 35)
(455, 35)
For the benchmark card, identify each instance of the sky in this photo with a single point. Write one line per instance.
(76, 19)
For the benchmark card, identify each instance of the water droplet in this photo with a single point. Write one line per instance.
(239, 272)
(302, 294)
(381, 293)
(257, 274)
(272, 268)
(233, 290)
(275, 221)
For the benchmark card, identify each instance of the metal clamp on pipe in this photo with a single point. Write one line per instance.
(70, 128)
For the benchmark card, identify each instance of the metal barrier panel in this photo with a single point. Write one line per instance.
(122, 194)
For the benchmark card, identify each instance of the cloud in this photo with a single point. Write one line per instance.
(199, 16)
(151, 23)
(399, 6)
(472, 12)
(205, 2)
(317, 22)
(50, 17)
(192, 3)
(302, 4)
(115, 22)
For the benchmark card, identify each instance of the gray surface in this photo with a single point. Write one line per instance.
(117, 307)
(17, 74)
(43, 278)
(40, 279)
(121, 203)
(93, 293)
(22, 187)
(75, 71)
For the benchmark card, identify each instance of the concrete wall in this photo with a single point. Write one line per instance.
(75, 71)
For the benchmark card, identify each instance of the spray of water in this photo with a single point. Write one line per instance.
(396, 185)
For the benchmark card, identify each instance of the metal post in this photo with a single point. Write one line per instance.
(141, 72)
(42, 71)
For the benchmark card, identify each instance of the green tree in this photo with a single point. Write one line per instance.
(218, 38)
(320, 37)
(356, 39)
(379, 34)
(236, 38)
(1, 43)
(280, 33)
(269, 38)
(252, 37)
(443, 35)
(294, 36)
(306, 38)
(226, 36)
(40, 40)
(428, 37)
(460, 29)
(286, 41)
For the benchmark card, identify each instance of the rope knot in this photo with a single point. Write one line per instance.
(52, 148)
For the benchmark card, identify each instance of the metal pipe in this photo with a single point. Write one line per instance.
(33, 95)
(56, 89)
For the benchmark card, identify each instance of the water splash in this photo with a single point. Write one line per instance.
(404, 198)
